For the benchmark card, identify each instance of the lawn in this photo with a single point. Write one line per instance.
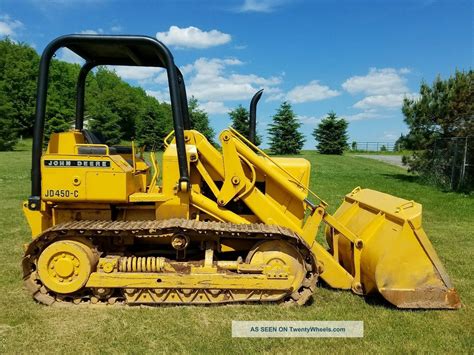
(27, 327)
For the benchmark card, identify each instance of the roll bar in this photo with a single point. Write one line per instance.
(108, 50)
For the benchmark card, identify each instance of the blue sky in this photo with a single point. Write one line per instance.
(358, 58)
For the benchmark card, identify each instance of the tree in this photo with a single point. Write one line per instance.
(8, 132)
(155, 124)
(446, 109)
(61, 101)
(18, 74)
(128, 103)
(284, 135)
(105, 120)
(119, 111)
(442, 111)
(200, 120)
(400, 143)
(241, 122)
(331, 135)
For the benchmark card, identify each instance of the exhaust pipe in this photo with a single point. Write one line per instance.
(253, 115)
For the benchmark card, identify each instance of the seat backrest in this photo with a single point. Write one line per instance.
(91, 138)
(94, 150)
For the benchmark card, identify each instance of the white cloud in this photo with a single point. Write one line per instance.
(378, 82)
(187, 69)
(211, 81)
(260, 5)
(160, 95)
(277, 96)
(365, 115)
(384, 101)
(384, 88)
(8, 26)
(390, 101)
(69, 56)
(92, 32)
(193, 37)
(161, 78)
(274, 94)
(311, 92)
(380, 101)
(137, 73)
(214, 107)
(258, 80)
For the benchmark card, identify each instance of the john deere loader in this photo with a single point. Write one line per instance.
(209, 225)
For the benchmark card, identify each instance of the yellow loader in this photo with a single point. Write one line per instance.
(208, 226)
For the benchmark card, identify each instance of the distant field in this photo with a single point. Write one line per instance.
(26, 327)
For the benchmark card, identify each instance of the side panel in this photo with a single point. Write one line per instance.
(86, 178)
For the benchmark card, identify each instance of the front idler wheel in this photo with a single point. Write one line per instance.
(65, 266)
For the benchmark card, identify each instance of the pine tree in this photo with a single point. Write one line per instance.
(200, 120)
(284, 135)
(442, 111)
(241, 122)
(331, 135)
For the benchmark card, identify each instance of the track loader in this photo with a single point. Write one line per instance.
(208, 226)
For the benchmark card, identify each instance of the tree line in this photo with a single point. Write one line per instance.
(114, 109)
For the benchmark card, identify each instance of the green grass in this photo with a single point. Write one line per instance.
(448, 219)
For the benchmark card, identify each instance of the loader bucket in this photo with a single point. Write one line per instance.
(389, 252)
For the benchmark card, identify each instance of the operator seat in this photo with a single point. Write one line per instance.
(93, 138)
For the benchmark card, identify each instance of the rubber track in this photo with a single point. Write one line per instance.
(152, 229)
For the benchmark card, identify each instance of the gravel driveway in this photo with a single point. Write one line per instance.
(389, 159)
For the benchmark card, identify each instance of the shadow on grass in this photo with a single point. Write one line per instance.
(378, 301)
(374, 300)
(405, 178)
